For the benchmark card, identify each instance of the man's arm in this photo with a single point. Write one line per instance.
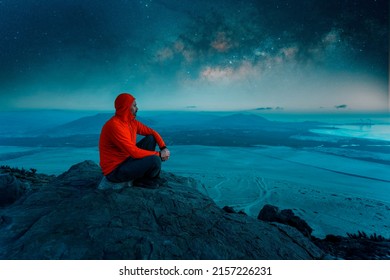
(121, 138)
(145, 130)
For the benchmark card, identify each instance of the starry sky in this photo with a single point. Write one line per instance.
(291, 55)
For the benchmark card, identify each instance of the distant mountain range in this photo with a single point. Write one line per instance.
(238, 121)
(86, 125)
(63, 124)
(93, 124)
(182, 128)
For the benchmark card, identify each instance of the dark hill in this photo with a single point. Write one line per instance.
(86, 125)
(238, 121)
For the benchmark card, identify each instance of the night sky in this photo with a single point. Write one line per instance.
(305, 55)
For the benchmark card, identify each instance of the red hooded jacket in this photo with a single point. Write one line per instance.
(119, 135)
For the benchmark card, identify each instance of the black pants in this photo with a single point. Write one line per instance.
(133, 169)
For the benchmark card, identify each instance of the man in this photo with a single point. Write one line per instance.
(121, 158)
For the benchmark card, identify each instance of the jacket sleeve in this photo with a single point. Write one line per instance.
(145, 130)
(122, 139)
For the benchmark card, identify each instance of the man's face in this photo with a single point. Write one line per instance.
(134, 108)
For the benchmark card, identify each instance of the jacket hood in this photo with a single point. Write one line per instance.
(122, 106)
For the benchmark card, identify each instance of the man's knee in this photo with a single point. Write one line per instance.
(149, 140)
(156, 160)
(147, 143)
(155, 166)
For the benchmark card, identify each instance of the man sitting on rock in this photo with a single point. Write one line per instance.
(122, 159)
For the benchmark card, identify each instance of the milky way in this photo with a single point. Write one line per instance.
(179, 54)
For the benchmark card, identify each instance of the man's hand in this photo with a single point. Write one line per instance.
(165, 154)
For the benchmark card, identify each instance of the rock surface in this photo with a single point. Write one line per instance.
(352, 247)
(355, 246)
(11, 189)
(69, 218)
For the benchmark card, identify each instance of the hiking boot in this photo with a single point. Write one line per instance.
(150, 183)
(122, 185)
(105, 184)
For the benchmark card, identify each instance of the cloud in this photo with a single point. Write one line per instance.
(164, 54)
(215, 74)
(264, 108)
(222, 42)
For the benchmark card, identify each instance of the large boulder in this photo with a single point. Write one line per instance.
(176, 221)
(272, 213)
(82, 175)
(11, 189)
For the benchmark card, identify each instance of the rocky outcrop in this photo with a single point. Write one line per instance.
(356, 246)
(351, 247)
(272, 213)
(69, 218)
(82, 175)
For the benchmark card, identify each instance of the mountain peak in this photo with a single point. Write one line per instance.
(72, 219)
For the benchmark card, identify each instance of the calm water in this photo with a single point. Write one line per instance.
(378, 131)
